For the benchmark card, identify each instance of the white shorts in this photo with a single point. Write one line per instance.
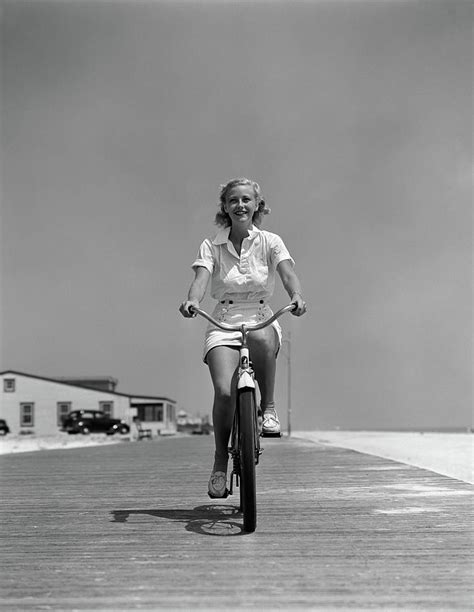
(237, 313)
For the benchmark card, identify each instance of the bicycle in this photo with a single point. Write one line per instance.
(245, 438)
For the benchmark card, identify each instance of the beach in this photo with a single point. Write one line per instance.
(26, 444)
(450, 454)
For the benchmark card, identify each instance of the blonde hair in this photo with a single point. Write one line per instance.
(223, 219)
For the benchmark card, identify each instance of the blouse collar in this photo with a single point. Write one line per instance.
(222, 236)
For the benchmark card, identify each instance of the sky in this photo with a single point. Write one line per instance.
(119, 122)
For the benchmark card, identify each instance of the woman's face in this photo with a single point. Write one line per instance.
(240, 204)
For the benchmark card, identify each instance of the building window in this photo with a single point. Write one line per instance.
(64, 408)
(107, 407)
(27, 414)
(9, 385)
(150, 412)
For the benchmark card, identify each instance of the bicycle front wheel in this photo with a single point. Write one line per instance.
(248, 454)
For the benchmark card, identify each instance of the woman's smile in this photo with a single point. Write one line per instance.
(241, 203)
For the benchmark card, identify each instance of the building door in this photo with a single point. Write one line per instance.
(63, 409)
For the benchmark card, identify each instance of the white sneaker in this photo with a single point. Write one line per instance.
(217, 485)
(271, 424)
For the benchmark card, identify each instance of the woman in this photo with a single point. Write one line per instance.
(241, 262)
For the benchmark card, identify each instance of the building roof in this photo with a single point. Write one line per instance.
(58, 381)
(92, 379)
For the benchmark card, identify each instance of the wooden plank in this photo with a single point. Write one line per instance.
(130, 526)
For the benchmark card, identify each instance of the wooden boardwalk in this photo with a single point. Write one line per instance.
(130, 527)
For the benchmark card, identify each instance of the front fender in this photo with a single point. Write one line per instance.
(245, 381)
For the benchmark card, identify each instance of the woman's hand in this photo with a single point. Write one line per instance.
(184, 309)
(300, 304)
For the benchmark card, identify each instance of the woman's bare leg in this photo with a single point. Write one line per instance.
(263, 346)
(222, 362)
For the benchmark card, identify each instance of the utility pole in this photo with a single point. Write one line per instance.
(288, 384)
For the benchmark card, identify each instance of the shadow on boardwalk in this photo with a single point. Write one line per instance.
(210, 519)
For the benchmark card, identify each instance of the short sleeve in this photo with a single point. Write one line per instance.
(205, 257)
(278, 251)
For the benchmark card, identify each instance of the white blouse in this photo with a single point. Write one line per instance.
(248, 278)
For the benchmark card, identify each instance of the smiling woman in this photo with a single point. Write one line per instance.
(252, 194)
(240, 205)
(241, 261)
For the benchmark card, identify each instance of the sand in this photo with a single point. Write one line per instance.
(450, 454)
(25, 444)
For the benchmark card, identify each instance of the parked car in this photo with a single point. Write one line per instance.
(4, 429)
(93, 421)
(205, 428)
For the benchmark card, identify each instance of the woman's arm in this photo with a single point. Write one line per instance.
(292, 285)
(196, 291)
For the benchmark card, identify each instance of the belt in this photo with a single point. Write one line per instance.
(232, 301)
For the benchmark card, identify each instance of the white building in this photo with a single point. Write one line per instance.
(34, 404)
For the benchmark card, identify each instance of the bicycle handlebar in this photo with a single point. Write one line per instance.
(254, 327)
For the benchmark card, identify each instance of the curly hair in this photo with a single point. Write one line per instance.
(223, 219)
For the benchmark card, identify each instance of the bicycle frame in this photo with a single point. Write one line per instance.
(245, 441)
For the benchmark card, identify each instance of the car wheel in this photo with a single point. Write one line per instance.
(124, 429)
(86, 431)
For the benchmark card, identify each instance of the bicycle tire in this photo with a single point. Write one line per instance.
(247, 437)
